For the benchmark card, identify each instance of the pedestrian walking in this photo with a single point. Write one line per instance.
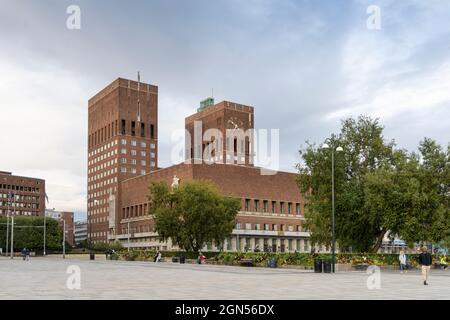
(425, 260)
(158, 257)
(402, 259)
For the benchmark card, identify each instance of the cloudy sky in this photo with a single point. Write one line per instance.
(303, 65)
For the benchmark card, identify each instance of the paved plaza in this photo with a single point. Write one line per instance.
(45, 278)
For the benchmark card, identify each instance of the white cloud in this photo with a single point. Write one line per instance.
(43, 126)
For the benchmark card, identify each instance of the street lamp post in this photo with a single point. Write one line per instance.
(128, 235)
(64, 239)
(7, 225)
(333, 237)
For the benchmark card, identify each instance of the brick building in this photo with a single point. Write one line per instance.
(27, 195)
(219, 148)
(122, 143)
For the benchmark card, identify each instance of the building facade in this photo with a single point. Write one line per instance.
(122, 144)
(80, 231)
(26, 195)
(271, 216)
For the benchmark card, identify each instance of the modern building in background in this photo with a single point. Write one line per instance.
(66, 218)
(80, 232)
(27, 195)
(122, 144)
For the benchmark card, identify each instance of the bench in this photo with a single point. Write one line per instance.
(246, 262)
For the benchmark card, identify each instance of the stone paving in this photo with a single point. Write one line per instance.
(45, 278)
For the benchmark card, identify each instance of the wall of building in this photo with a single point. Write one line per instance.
(29, 195)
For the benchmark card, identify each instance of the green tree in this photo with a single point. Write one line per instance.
(193, 214)
(379, 190)
(29, 232)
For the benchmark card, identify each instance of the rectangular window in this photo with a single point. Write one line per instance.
(289, 208)
(133, 161)
(143, 154)
(274, 227)
(133, 143)
(133, 170)
(133, 128)
(133, 152)
(153, 164)
(123, 170)
(143, 163)
(123, 151)
(152, 131)
(142, 129)
(123, 160)
(152, 146)
(123, 141)
(297, 208)
(143, 145)
(265, 206)
(256, 205)
(142, 171)
(123, 127)
(152, 155)
(281, 207)
(247, 204)
(274, 206)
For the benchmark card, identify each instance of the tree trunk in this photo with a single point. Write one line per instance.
(379, 241)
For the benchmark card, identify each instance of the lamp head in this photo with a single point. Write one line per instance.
(325, 146)
(339, 149)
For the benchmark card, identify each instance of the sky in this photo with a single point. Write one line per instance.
(303, 65)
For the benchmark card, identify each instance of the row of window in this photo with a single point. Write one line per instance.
(134, 211)
(20, 205)
(263, 206)
(19, 188)
(134, 171)
(19, 197)
(132, 161)
(22, 213)
(137, 229)
(268, 227)
(102, 184)
(111, 130)
(102, 174)
(102, 149)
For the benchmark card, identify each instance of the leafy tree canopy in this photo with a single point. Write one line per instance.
(379, 190)
(193, 214)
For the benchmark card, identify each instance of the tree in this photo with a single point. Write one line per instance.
(379, 190)
(29, 233)
(193, 214)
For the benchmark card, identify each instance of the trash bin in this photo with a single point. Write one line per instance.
(272, 262)
(91, 255)
(182, 259)
(318, 265)
(327, 265)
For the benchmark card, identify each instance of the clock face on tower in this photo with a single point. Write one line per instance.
(234, 123)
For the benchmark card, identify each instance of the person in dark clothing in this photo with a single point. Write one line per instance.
(425, 260)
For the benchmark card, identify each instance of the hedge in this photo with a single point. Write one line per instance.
(261, 258)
